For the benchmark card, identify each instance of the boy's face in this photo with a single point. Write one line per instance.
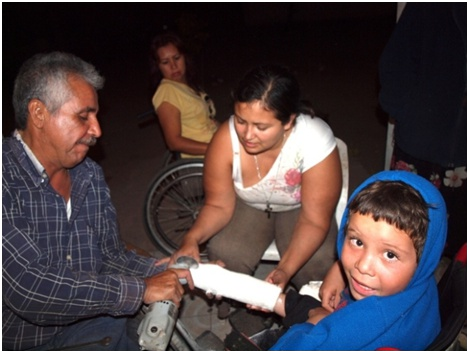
(378, 258)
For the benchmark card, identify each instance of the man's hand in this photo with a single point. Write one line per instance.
(166, 286)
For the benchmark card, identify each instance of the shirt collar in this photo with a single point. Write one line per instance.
(40, 169)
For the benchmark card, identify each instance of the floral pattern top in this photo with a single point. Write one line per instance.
(310, 142)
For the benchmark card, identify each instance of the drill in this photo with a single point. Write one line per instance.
(157, 326)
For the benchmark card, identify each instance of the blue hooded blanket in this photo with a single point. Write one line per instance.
(408, 320)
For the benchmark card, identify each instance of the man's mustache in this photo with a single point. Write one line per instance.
(91, 141)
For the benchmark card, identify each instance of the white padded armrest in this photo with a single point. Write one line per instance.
(312, 289)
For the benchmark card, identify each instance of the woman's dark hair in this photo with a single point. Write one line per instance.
(276, 88)
(162, 40)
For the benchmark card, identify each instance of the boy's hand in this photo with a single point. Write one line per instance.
(331, 287)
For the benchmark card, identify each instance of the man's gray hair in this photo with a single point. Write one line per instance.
(45, 77)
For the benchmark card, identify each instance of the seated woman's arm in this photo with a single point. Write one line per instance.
(170, 121)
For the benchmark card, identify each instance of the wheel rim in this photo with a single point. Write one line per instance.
(173, 204)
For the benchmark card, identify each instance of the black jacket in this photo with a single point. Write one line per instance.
(423, 82)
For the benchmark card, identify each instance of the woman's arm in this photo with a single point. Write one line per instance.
(220, 196)
(320, 190)
(170, 121)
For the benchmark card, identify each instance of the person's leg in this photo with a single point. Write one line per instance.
(316, 267)
(133, 323)
(285, 223)
(104, 333)
(241, 244)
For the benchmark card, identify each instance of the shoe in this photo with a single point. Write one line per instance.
(267, 338)
(237, 341)
(250, 322)
(224, 309)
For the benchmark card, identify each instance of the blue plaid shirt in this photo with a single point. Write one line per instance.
(57, 270)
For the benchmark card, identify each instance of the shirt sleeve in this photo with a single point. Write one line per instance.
(318, 142)
(166, 93)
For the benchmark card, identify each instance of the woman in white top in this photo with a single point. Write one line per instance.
(185, 112)
(272, 171)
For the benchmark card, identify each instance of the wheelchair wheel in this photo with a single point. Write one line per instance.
(173, 202)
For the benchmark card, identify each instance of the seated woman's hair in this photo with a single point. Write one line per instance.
(163, 40)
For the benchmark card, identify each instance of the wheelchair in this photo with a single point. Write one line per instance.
(173, 201)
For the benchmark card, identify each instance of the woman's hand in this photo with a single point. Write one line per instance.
(188, 248)
(332, 286)
(278, 277)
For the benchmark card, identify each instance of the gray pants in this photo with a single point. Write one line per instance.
(241, 244)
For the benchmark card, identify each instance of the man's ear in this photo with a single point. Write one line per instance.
(37, 112)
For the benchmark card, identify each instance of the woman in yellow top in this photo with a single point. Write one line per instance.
(185, 111)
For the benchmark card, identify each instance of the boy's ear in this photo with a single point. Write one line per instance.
(37, 112)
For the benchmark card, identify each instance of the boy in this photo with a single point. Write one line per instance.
(390, 243)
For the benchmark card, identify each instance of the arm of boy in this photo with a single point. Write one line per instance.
(331, 287)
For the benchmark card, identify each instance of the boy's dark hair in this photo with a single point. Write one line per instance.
(399, 205)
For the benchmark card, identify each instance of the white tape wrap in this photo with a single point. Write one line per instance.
(238, 286)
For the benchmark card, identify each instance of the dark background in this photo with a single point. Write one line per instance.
(115, 37)
(333, 48)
